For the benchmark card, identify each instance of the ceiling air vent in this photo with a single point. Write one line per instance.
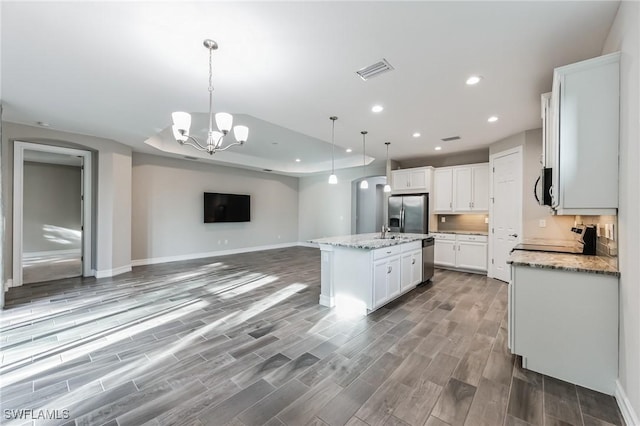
(451, 138)
(374, 70)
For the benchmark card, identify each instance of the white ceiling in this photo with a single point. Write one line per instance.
(118, 69)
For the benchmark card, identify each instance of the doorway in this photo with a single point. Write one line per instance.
(51, 213)
(370, 205)
(505, 210)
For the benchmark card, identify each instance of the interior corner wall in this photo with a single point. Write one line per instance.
(624, 36)
(112, 194)
(167, 220)
(326, 210)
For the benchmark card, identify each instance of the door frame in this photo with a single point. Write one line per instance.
(492, 158)
(18, 198)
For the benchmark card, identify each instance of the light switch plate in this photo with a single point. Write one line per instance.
(542, 223)
(443, 219)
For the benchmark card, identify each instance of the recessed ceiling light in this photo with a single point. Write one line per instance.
(416, 135)
(377, 108)
(438, 148)
(492, 119)
(43, 124)
(349, 150)
(297, 160)
(474, 79)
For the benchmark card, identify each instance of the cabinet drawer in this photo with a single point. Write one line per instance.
(414, 245)
(476, 238)
(446, 237)
(388, 251)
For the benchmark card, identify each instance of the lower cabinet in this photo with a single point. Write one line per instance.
(386, 280)
(411, 269)
(462, 251)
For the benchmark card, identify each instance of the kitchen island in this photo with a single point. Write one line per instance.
(563, 316)
(360, 273)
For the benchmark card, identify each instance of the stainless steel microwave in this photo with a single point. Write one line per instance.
(546, 189)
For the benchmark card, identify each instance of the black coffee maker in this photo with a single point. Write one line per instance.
(588, 238)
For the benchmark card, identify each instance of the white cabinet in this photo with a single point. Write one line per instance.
(443, 189)
(565, 324)
(583, 142)
(462, 189)
(472, 252)
(467, 252)
(359, 280)
(386, 280)
(415, 180)
(411, 264)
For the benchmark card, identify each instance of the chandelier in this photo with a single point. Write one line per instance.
(224, 121)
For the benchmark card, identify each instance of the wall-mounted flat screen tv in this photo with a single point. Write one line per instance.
(226, 207)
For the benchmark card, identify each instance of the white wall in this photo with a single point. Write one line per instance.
(370, 204)
(446, 160)
(168, 208)
(112, 193)
(625, 37)
(51, 207)
(325, 210)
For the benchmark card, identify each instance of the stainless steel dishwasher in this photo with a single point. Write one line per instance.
(427, 258)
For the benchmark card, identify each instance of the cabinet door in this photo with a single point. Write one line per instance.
(444, 253)
(418, 180)
(379, 282)
(393, 277)
(480, 179)
(416, 268)
(406, 276)
(462, 189)
(443, 189)
(399, 179)
(472, 255)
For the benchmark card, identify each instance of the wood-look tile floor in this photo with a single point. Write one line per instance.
(241, 340)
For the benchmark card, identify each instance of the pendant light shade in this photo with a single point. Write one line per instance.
(333, 179)
(364, 184)
(387, 187)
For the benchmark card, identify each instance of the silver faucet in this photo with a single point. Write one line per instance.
(385, 229)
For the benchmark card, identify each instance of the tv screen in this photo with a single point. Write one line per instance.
(226, 207)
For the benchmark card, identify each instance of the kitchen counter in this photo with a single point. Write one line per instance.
(370, 241)
(463, 232)
(563, 261)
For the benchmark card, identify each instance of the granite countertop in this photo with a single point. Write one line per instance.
(463, 232)
(370, 241)
(567, 262)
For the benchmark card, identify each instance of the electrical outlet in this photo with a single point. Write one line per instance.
(486, 220)
(443, 219)
(542, 223)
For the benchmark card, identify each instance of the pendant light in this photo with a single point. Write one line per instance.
(387, 187)
(333, 179)
(364, 184)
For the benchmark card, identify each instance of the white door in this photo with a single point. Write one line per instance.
(393, 277)
(416, 268)
(505, 210)
(418, 179)
(405, 274)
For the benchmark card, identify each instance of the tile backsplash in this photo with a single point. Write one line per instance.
(463, 222)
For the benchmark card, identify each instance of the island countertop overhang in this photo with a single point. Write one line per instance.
(370, 241)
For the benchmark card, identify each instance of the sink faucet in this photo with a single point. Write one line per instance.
(385, 229)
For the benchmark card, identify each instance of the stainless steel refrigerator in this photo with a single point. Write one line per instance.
(409, 213)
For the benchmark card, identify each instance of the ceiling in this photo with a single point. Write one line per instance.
(118, 69)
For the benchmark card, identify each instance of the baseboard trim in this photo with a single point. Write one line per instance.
(191, 256)
(327, 301)
(8, 284)
(628, 413)
(113, 272)
(52, 253)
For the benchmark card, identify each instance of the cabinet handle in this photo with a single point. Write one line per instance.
(413, 261)
(389, 252)
(469, 204)
(388, 269)
(472, 204)
(454, 247)
(450, 205)
(458, 247)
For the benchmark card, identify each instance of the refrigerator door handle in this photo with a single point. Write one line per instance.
(402, 219)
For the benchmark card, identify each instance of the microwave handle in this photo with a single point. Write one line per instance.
(535, 189)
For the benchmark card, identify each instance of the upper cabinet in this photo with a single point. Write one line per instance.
(462, 189)
(415, 180)
(581, 145)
